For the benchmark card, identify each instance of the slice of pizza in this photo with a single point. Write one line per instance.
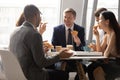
(74, 32)
(47, 44)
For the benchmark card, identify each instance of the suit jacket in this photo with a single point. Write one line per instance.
(26, 44)
(59, 36)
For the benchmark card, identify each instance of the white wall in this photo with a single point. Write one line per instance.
(76, 5)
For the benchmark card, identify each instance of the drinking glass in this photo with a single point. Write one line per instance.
(86, 48)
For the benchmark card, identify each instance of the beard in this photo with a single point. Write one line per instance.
(37, 23)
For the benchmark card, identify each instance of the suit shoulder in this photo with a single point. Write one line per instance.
(79, 27)
(61, 26)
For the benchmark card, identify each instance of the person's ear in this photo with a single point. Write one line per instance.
(74, 17)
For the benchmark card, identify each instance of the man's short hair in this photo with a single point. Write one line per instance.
(30, 11)
(70, 10)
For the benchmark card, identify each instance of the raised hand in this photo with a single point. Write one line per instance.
(75, 37)
(42, 28)
(95, 31)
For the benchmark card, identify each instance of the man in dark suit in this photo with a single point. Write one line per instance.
(60, 32)
(27, 45)
(61, 35)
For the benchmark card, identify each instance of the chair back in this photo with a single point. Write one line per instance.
(11, 66)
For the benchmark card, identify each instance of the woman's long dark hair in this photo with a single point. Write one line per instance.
(20, 20)
(108, 15)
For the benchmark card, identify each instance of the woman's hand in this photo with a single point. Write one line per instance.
(92, 46)
(95, 31)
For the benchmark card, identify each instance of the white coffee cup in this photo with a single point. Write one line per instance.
(70, 47)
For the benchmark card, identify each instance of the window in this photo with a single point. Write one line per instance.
(89, 13)
(111, 5)
(10, 12)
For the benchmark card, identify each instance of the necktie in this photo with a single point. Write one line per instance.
(69, 41)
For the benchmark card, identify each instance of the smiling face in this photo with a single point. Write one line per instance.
(69, 19)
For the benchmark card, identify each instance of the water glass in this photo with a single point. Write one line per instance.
(86, 48)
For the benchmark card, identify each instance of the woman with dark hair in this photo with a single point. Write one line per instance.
(20, 20)
(110, 47)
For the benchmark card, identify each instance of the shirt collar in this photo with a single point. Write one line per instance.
(30, 24)
(70, 27)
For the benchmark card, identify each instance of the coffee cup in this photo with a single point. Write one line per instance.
(58, 48)
(70, 47)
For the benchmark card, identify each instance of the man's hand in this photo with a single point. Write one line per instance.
(65, 53)
(46, 46)
(42, 28)
(75, 37)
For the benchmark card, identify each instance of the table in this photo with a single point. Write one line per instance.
(85, 55)
(81, 55)
(78, 55)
